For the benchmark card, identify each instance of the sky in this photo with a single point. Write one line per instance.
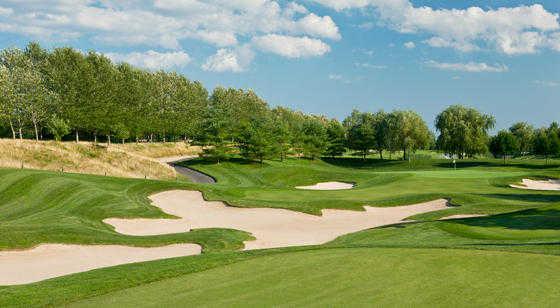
(325, 56)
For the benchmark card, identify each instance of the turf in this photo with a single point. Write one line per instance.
(507, 259)
(359, 277)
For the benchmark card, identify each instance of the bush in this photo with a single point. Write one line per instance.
(58, 127)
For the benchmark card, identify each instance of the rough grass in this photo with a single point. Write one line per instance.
(128, 160)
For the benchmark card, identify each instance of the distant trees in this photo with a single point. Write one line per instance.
(463, 131)
(396, 131)
(64, 91)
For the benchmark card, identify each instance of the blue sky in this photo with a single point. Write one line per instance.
(326, 56)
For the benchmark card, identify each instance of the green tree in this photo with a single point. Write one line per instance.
(361, 134)
(7, 99)
(314, 137)
(256, 141)
(336, 136)
(58, 127)
(524, 134)
(503, 144)
(412, 133)
(463, 131)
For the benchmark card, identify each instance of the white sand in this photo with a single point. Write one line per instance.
(327, 186)
(53, 260)
(459, 216)
(538, 185)
(271, 227)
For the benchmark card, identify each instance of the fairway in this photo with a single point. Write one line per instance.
(363, 277)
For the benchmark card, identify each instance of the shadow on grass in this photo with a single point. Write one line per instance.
(376, 163)
(526, 197)
(532, 219)
(496, 164)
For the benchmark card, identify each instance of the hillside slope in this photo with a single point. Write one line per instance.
(123, 160)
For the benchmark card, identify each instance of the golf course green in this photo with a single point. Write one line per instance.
(508, 258)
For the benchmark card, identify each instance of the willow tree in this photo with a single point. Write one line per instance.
(463, 131)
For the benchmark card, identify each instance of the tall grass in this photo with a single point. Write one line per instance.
(123, 160)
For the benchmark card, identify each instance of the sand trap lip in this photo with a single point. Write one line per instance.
(461, 216)
(327, 186)
(272, 228)
(550, 184)
(52, 260)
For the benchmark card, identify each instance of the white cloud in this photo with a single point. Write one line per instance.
(290, 46)
(335, 77)
(409, 45)
(153, 60)
(225, 24)
(547, 83)
(510, 30)
(370, 66)
(229, 60)
(471, 67)
(319, 26)
(6, 11)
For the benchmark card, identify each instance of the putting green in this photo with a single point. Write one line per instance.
(380, 277)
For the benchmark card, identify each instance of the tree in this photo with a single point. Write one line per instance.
(336, 136)
(524, 134)
(257, 140)
(546, 142)
(71, 77)
(58, 127)
(411, 131)
(463, 131)
(314, 137)
(503, 144)
(361, 135)
(121, 132)
(7, 99)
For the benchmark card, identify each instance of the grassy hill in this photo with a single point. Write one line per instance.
(511, 258)
(123, 160)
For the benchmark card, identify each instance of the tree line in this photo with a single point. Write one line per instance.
(63, 92)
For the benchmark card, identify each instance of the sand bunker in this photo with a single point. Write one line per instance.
(328, 186)
(53, 260)
(271, 227)
(538, 185)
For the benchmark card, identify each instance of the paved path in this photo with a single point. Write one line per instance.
(193, 175)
